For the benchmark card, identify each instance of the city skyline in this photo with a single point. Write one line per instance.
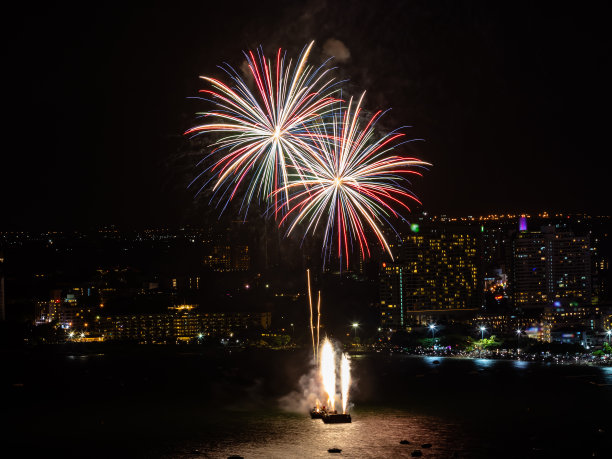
(445, 270)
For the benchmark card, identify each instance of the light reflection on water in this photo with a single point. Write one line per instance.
(484, 363)
(432, 360)
(520, 364)
(607, 374)
(372, 434)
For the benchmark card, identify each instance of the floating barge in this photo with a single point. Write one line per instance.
(335, 418)
(316, 413)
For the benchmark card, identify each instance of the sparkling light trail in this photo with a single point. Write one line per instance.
(265, 130)
(353, 183)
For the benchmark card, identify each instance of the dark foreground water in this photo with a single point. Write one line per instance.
(165, 403)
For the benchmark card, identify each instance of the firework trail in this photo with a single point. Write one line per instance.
(263, 131)
(318, 323)
(355, 181)
(314, 347)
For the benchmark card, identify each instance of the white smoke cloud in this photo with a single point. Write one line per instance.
(338, 50)
(304, 399)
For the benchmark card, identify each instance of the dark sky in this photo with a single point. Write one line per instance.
(513, 99)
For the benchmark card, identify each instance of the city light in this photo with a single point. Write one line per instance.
(432, 327)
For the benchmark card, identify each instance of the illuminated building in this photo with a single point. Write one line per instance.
(503, 324)
(182, 325)
(437, 272)
(241, 259)
(573, 316)
(220, 258)
(602, 292)
(65, 309)
(225, 257)
(180, 283)
(392, 295)
(550, 267)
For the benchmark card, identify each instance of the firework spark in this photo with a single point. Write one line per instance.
(352, 183)
(265, 130)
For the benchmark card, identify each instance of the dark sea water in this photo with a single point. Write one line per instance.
(171, 403)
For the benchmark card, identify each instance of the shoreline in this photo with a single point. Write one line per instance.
(532, 358)
(98, 349)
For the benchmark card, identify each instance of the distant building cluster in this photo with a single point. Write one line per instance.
(227, 257)
(545, 275)
(550, 281)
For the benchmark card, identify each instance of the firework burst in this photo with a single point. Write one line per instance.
(354, 181)
(263, 131)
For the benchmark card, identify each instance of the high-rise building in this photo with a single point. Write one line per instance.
(437, 272)
(241, 259)
(220, 258)
(550, 267)
(392, 296)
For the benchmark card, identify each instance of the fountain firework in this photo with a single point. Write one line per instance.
(328, 373)
(345, 377)
(325, 362)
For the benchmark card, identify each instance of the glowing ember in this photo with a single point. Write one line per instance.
(345, 374)
(328, 372)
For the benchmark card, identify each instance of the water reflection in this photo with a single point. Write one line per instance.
(484, 363)
(373, 434)
(522, 364)
(607, 374)
(432, 360)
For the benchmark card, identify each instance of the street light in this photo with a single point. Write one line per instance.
(518, 340)
(432, 327)
(355, 325)
(482, 330)
(609, 333)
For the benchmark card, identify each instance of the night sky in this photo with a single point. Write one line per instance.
(512, 98)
